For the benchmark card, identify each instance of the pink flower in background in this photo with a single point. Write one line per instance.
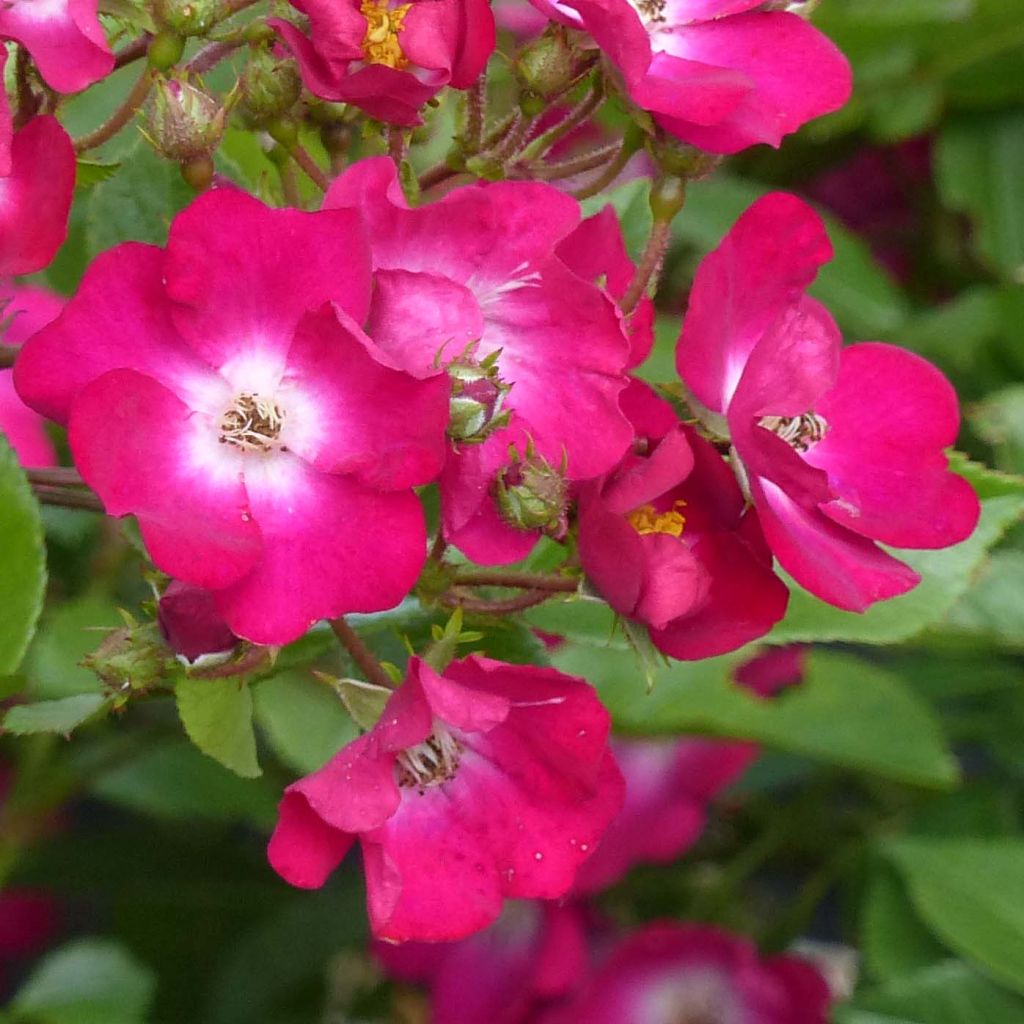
(63, 37)
(667, 540)
(841, 447)
(475, 275)
(23, 311)
(37, 178)
(718, 74)
(535, 955)
(665, 972)
(211, 390)
(388, 59)
(488, 783)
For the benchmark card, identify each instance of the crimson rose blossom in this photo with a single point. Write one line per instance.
(386, 58)
(63, 37)
(841, 446)
(666, 972)
(668, 540)
(212, 390)
(475, 275)
(718, 74)
(37, 178)
(23, 311)
(488, 782)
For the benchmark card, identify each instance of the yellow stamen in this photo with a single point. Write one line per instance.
(380, 45)
(646, 520)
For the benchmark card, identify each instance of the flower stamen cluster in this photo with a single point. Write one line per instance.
(430, 763)
(380, 45)
(799, 432)
(253, 423)
(646, 519)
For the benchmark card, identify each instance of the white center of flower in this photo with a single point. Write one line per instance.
(252, 423)
(799, 432)
(430, 763)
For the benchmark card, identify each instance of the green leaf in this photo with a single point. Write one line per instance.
(846, 712)
(88, 981)
(994, 606)
(59, 716)
(971, 894)
(91, 172)
(22, 561)
(894, 940)
(303, 719)
(978, 161)
(174, 781)
(999, 419)
(138, 203)
(217, 715)
(945, 577)
(945, 993)
(67, 634)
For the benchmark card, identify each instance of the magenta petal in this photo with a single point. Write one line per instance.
(406, 859)
(638, 481)
(24, 429)
(469, 708)
(674, 581)
(422, 320)
(478, 36)
(119, 318)
(353, 415)
(35, 197)
(617, 29)
(833, 563)
(798, 74)
(303, 849)
(6, 122)
(890, 416)
(330, 546)
(356, 790)
(677, 89)
(612, 556)
(387, 94)
(145, 452)
(67, 42)
(771, 254)
(232, 267)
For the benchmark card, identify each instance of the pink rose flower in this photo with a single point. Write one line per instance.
(533, 956)
(212, 390)
(63, 37)
(841, 447)
(190, 623)
(23, 311)
(37, 178)
(475, 275)
(386, 58)
(668, 972)
(489, 782)
(668, 540)
(718, 74)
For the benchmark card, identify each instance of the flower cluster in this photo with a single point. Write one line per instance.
(273, 391)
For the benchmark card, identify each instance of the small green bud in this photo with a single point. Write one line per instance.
(198, 172)
(269, 87)
(478, 394)
(165, 50)
(547, 66)
(186, 17)
(131, 658)
(533, 495)
(667, 197)
(183, 121)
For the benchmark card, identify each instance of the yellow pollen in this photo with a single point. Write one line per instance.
(646, 520)
(380, 45)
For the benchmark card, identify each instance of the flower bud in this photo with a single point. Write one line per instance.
(680, 160)
(547, 66)
(131, 658)
(269, 87)
(186, 17)
(190, 622)
(478, 394)
(183, 121)
(533, 495)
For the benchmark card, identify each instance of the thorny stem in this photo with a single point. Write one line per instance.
(131, 52)
(503, 607)
(397, 147)
(56, 476)
(289, 185)
(436, 175)
(67, 497)
(608, 175)
(512, 578)
(211, 55)
(360, 653)
(120, 117)
(649, 265)
(549, 139)
(312, 169)
(576, 164)
(476, 116)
